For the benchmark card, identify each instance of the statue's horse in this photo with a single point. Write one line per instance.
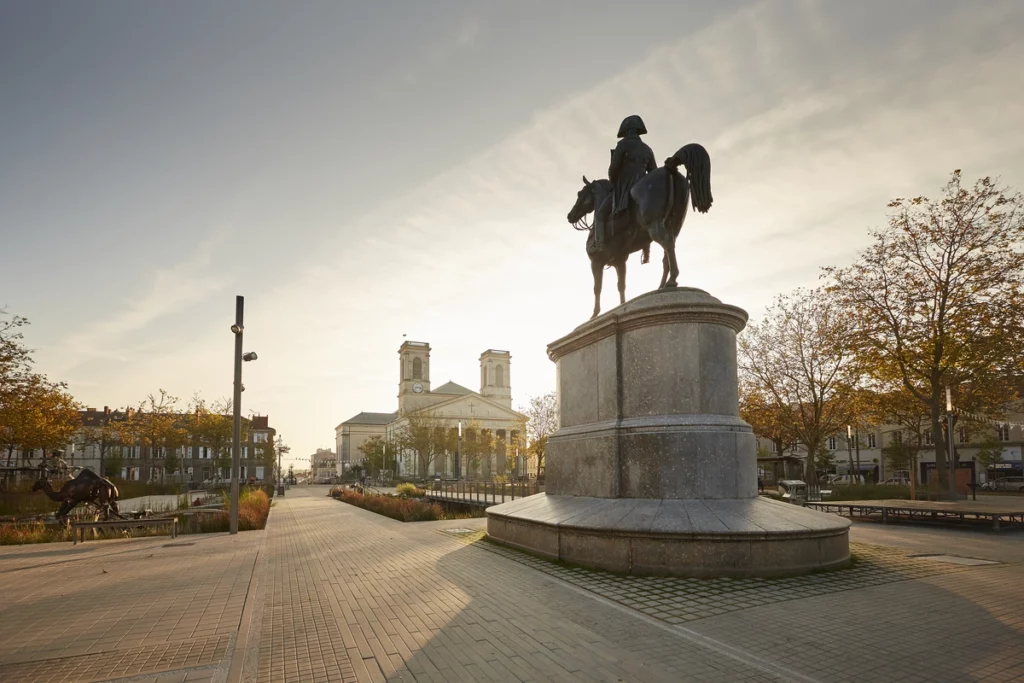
(657, 209)
(625, 237)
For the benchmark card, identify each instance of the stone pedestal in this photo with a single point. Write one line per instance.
(652, 471)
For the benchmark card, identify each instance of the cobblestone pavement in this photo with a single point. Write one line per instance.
(123, 608)
(331, 592)
(353, 596)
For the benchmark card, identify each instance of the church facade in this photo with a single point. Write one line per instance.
(483, 417)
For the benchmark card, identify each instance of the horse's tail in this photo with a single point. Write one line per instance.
(697, 162)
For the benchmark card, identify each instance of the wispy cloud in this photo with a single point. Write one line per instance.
(811, 127)
(808, 142)
(170, 290)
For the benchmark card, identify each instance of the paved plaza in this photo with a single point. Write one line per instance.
(330, 592)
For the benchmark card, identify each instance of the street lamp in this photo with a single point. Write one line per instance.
(949, 438)
(236, 437)
(458, 459)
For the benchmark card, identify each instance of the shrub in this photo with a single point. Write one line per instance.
(18, 534)
(402, 509)
(253, 509)
(408, 490)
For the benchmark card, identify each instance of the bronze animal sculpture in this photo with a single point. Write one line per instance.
(89, 488)
(657, 208)
(625, 239)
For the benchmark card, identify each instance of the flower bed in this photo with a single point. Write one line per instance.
(253, 509)
(402, 509)
(36, 532)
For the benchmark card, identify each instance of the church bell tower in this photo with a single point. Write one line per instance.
(495, 377)
(413, 375)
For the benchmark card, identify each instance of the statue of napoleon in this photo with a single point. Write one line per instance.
(638, 204)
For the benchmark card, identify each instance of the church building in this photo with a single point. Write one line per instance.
(483, 416)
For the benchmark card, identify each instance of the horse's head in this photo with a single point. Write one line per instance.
(40, 483)
(585, 201)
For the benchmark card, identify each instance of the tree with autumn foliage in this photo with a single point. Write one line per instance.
(937, 301)
(157, 425)
(35, 413)
(541, 422)
(427, 437)
(212, 428)
(375, 455)
(768, 419)
(798, 362)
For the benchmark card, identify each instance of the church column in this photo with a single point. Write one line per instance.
(501, 453)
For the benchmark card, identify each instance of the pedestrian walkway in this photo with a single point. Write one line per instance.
(331, 592)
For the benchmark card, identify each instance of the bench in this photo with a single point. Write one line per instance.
(131, 523)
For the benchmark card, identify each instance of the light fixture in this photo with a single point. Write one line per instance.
(249, 356)
(237, 329)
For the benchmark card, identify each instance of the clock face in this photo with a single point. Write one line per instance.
(417, 387)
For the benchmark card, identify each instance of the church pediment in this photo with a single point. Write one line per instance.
(472, 406)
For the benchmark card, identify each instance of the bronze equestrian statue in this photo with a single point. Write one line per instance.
(87, 487)
(639, 205)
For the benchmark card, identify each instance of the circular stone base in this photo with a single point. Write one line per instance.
(695, 538)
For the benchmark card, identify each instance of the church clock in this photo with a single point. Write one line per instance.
(417, 388)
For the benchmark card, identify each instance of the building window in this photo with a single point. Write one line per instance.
(775, 447)
(928, 441)
(417, 368)
(499, 376)
(260, 437)
(871, 440)
(897, 438)
(962, 436)
(831, 443)
(1004, 432)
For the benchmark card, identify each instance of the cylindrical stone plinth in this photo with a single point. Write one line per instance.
(648, 403)
(652, 471)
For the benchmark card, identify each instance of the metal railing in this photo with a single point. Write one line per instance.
(483, 493)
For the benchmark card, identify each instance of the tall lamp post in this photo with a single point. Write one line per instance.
(949, 438)
(236, 435)
(281, 450)
(849, 453)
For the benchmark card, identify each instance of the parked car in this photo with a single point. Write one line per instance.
(1005, 484)
(847, 480)
(896, 481)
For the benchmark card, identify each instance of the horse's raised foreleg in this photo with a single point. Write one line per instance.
(620, 270)
(597, 268)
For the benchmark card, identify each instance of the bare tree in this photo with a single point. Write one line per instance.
(799, 361)
(541, 423)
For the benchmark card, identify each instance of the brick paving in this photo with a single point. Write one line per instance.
(121, 608)
(330, 592)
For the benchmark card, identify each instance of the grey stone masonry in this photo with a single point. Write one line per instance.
(652, 471)
(648, 403)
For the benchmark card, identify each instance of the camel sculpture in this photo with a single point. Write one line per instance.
(87, 487)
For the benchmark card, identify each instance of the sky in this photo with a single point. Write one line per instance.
(367, 173)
